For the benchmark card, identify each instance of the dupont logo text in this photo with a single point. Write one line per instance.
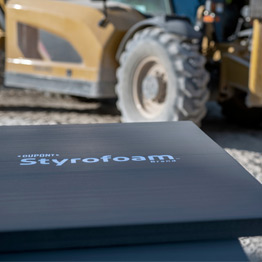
(56, 160)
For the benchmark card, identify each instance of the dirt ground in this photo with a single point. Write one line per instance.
(23, 107)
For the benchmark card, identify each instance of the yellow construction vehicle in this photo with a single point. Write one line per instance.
(150, 55)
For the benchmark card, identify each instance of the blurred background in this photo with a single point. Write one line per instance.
(86, 62)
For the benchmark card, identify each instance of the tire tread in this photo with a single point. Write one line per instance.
(188, 65)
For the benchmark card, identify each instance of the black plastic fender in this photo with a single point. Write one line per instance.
(176, 25)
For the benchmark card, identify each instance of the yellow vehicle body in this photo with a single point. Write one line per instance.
(255, 73)
(242, 69)
(28, 63)
(2, 4)
(76, 47)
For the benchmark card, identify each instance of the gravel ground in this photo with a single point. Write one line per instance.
(245, 145)
(24, 107)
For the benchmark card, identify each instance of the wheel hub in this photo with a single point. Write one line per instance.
(150, 87)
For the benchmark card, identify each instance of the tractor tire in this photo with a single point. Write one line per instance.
(161, 77)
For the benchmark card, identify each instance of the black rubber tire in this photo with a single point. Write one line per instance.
(187, 92)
